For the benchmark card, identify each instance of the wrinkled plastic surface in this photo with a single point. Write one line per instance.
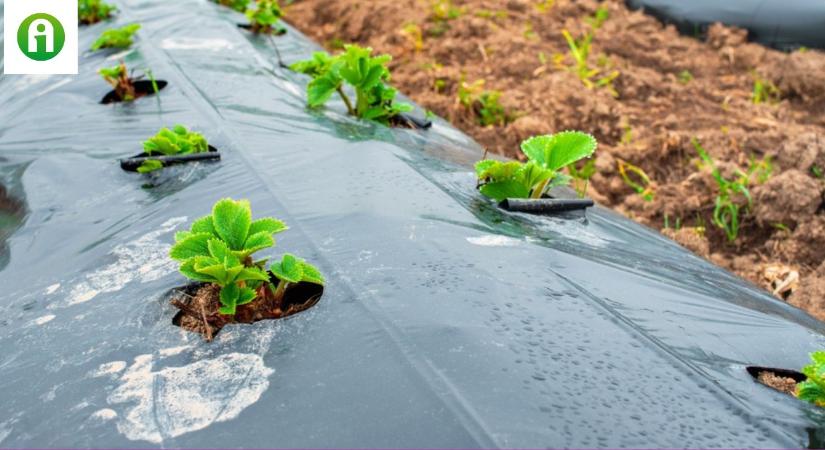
(446, 322)
(786, 25)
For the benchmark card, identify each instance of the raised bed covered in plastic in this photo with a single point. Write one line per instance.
(446, 321)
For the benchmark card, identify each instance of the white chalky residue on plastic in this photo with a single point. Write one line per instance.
(176, 400)
(44, 319)
(171, 351)
(104, 414)
(144, 258)
(493, 240)
(109, 368)
(195, 44)
(5, 431)
(52, 289)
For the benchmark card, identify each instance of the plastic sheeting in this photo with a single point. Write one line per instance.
(446, 321)
(785, 25)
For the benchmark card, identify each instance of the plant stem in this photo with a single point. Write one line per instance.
(346, 100)
(278, 293)
(539, 190)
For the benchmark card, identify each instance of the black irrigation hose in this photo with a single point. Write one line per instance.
(545, 205)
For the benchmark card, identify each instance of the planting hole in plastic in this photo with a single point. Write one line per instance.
(275, 31)
(11, 216)
(142, 89)
(203, 320)
(132, 164)
(545, 205)
(403, 120)
(782, 380)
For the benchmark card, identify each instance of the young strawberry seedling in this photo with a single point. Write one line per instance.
(126, 87)
(264, 19)
(116, 37)
(173, 146)
(546, 156)
(812, 390)
(93, 11)
(235, 288)
(367, 74)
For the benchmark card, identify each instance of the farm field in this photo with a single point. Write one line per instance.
(502, 71)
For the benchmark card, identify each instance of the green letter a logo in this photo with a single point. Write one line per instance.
(41, 37)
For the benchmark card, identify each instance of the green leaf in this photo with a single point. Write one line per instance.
(311, 274)
(258, 241)
(500, 190)
(246, 296)
(187, 268)
(204, 225)
(181, 235)
(193, 245)
(267, 224)
(321, 89)
(150, 165)
(232, 220)
(252, 273)
(289, 269)
(558, 150)
(230, 294)
(218, 249)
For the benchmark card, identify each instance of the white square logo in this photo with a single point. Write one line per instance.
(40, 37)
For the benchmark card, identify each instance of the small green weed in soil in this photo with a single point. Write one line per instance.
(485, 105)
(546, 156)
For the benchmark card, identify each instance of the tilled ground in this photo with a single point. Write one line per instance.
(670, 90)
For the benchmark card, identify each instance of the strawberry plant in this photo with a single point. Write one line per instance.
(177, 141)
(264, 18)
(237, 5)
(546, 156)
(123, 83)
(582, 175)
(116, 37)
(218, 250)
(367, 75)
(93, 11)
(813, 389)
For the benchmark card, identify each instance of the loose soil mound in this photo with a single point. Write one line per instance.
(670, 89)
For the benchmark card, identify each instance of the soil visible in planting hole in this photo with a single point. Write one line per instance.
(272, 31)
(199, 304)
(781, 384)
(142, 89)
(671, 88)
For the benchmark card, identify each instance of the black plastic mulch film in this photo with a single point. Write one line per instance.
(786, 25)
(446, 322)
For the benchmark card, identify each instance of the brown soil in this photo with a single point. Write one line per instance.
(511, 44)
(199, 304)
(142, 88)
(781, 384)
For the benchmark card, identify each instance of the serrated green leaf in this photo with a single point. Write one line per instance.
(187, 268)
(149, 165)
(232, 220)
(230, 294)
(311, 274)
(193, 245)
(289, 269)
(558, 150)
(252, 273)
(258, 241)
(500, 190)
(267, 224)
(204, 225)
(181, 235)
(246, 296)
(320, 90)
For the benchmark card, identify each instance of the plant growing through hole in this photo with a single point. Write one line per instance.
(177, 141)
(265, 17)
(637, 179)
(116, 37)
(546, 156)
(812, 390)
(218, 249)
(123, 83)
(484, 104)
(93, 11)
(367, 74)
(237, 5)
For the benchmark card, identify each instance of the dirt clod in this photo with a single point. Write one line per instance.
(781, 384)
